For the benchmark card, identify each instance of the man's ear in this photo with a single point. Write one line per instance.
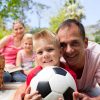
(86, 42)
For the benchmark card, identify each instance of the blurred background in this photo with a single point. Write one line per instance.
(41, 14)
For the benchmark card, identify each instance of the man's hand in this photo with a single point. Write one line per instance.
(81, 96)
(32, 96)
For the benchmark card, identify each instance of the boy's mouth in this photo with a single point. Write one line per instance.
(48, 61)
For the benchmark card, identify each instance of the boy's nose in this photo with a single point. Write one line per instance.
(45, 54)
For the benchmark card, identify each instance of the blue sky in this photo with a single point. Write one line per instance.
(92, 11)
(91, 8)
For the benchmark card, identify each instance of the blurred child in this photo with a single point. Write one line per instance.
(25, 57)
(48, 53)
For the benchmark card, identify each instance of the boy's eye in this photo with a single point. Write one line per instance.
(15, 29)
(50, 49)
(30, 44)
(39, 52)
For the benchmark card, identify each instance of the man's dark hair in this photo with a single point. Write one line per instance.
(69, 22)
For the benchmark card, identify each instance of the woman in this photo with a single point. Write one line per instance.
(10, 45)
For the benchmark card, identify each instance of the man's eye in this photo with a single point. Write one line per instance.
(62, 45)
(75, 43)
(21, 27)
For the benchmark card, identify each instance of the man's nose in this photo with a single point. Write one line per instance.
(69, 49)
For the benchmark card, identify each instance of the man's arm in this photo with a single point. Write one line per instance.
(20, 92)
(81, 96)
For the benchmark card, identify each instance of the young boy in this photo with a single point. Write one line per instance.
(47, 51)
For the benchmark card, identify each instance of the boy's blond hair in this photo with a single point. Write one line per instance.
(45, 35)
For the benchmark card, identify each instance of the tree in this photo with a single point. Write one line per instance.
(56, 20)
(74, 10)
(3, 30)
(14, 9)
(71, 9)
(97, 37)
(39, 9)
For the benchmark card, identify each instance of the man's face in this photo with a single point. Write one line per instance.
(73, 45)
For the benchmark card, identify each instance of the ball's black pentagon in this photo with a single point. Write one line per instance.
(68, 94)
(60, 71)
(44, 88)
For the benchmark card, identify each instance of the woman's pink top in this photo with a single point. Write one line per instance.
(10, 51)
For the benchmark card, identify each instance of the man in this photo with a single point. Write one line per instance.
(82, 56)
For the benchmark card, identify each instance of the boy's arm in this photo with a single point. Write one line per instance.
(20, 92)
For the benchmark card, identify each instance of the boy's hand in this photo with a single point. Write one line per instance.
(32, 96)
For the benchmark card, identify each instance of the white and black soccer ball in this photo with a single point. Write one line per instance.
(54, 82)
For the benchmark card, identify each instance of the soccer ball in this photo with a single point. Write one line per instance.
(54, 82)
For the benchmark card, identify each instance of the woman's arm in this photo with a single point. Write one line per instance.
(4, 41)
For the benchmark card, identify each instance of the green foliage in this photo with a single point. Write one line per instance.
(4, 33)
(12, 8)
(15, 9)
(56, 20)
(3, 30)
(72, 9)
(97, 37)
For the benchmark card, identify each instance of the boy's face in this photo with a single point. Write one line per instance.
(47, 54)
